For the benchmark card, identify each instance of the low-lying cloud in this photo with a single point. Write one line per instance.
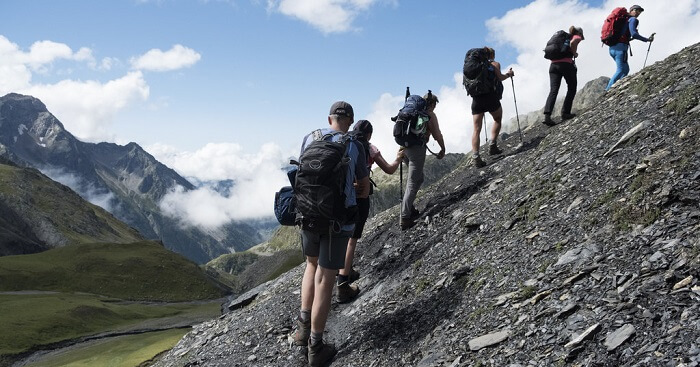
(87, 191)
(256, 178)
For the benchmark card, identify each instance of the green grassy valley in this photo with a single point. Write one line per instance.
(87, 290)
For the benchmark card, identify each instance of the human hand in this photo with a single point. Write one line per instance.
(441, 154)
(575, 55)
(511, 72)
(651, 38)
(399, 154)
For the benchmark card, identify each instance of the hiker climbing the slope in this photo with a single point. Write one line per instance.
(619, 40)
(324, 168)
(562, 50)
(363, 130)
(482, 79)
(414, 156)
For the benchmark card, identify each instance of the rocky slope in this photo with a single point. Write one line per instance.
(581, 247)
(124, 179)
(37, 214)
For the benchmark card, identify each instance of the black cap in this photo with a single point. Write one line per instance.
(636, 7)
(363, 126)
(342, 108)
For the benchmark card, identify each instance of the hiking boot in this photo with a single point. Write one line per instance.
(478, 162)
(567, 116)
(493, 149)
(347, 292)
(353, 276)
(415, 213)
(301, 335)
(407, 223)
(321, 353)
(548, 120)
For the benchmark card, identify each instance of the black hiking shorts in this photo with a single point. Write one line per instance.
(485, 103)
(330, 251)
(363, 211)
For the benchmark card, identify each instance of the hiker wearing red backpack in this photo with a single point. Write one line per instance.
(562, 51)
(618, 30)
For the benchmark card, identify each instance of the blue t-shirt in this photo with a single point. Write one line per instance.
(357, 169)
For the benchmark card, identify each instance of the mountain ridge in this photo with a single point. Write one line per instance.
(580, 247)
(127, 180)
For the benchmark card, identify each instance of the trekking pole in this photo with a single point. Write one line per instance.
(486, 129)
(517, 117)
(647, 56)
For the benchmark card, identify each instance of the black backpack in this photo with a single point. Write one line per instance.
(478, 75)
(320, 187)
(559, 46)
(411, 124)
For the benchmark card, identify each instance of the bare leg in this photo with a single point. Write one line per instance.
(476, 142)
(496, 129)
(325, 280)
(307, 283)
(349, 256)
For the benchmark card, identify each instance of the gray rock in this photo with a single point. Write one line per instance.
(619, 336)
(489, 340)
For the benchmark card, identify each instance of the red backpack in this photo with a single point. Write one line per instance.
(613, 31)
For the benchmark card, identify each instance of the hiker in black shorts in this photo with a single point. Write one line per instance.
(491, 103)
(363, 130)
(325, 252)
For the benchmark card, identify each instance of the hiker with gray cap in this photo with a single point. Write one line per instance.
(620, 46)
(563, 65)
(332, 174)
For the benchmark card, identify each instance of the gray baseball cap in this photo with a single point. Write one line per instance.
(636, 7)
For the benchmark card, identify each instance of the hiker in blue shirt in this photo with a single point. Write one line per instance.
(619, 51)
(325, 252)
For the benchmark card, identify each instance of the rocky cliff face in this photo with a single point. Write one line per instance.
(124, 179)
(581, 247)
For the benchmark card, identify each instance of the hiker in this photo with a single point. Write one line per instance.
(325, 252)
(414, 156)
(619, 50)
(363, 130)
(488, 102)
(563, 67)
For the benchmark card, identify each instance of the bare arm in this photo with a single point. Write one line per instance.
(389, 168)
(499, 75)
(574, 46)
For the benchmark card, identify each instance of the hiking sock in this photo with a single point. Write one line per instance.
(342, 279)
(316, 338)
(304, 315)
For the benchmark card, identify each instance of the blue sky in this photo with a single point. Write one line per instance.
(227, 89)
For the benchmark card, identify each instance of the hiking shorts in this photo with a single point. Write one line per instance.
(363, 211)
(485, 103)
(330, 251)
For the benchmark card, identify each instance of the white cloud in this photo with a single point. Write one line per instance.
(329, 16)
(177, 57)
(527, 30)
(87, 108)
(257, 177)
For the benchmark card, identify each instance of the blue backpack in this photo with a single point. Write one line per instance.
(410, 125)
(285, 203)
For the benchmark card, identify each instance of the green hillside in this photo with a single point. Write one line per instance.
(140, 271)
(37, 213)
